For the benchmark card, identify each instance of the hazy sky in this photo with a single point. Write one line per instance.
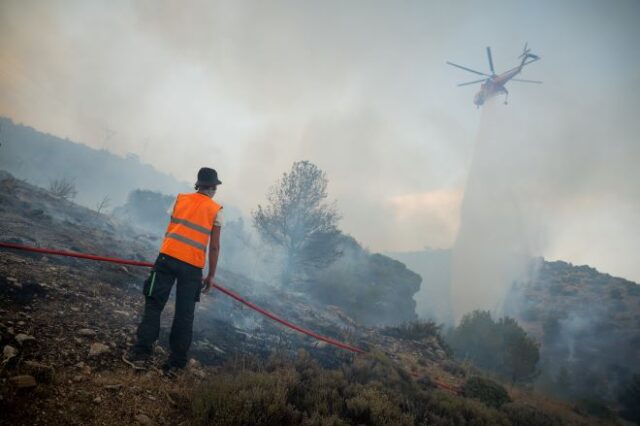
(361, 89)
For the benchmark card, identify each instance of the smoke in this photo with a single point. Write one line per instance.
(359, 88)
(501, 221)
(247, 88)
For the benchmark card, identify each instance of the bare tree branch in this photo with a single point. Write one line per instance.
(63, 187)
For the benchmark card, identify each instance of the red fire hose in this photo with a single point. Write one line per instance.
(217, 287)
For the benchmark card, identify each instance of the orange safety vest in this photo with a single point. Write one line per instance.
(189, 229)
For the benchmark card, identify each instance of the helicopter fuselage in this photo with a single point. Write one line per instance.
(495, 86)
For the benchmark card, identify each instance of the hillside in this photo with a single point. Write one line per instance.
(65, 323)
(40, 158)
(588, 324)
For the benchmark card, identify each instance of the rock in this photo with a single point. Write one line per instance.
(114, 386)
(14, 282)
(21, 338)
(42, 372)
(97, 400)
(98, 349)
(143, 419)
(77, 378)
(24, 381)
(86, 332)
(8, 352)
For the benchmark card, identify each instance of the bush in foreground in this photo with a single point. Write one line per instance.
(487, 391)
(372, 390)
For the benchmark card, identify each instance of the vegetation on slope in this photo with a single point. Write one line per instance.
(502, 346)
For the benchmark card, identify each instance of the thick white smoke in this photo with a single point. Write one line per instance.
(500, 219)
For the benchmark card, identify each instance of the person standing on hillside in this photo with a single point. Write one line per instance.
(195, 224)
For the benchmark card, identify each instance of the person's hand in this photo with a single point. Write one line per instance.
(207, 283)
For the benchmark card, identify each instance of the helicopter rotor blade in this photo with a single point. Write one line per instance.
(490, 60)
(526, 81)
(525, 51)
(472, 82)
(468, 69)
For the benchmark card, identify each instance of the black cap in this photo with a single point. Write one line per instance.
(207, 177)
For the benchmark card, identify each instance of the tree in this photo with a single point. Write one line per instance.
(103, 204)
(298, 219)
(520, 353)
(148, 209)
(502, 346)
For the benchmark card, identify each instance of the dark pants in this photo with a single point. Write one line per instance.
(156, 290)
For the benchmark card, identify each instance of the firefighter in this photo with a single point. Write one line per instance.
(194, 226)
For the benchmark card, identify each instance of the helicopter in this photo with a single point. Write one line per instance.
(493, 84)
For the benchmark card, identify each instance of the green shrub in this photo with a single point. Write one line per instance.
(520, 414)
(489, 392)
(379, 369)
(327, 387)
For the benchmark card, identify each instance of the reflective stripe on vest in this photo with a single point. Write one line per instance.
(191, 225)
(186, 240)
(189, 228)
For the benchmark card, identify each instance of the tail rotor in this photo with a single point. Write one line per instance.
(526, 54)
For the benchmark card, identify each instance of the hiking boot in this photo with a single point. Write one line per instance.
(137, 360)
(170, 369)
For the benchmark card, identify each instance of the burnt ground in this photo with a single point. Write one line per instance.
(65, 323)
